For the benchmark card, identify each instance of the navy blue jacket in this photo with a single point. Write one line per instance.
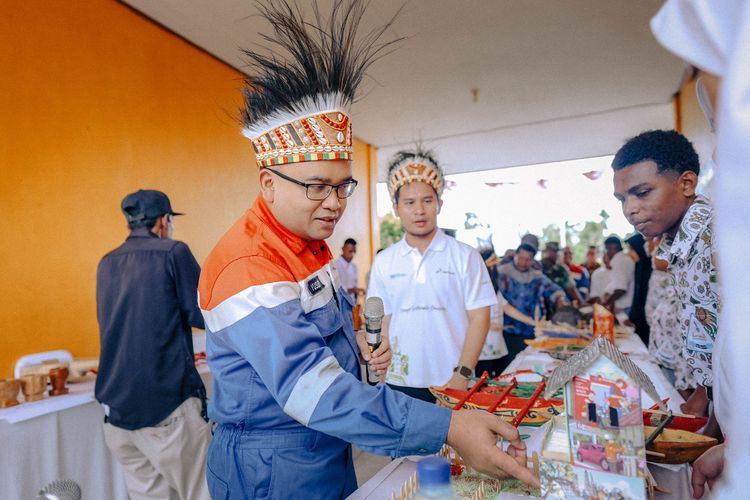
(146, 298)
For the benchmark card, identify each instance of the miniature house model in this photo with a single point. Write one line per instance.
(596, 449)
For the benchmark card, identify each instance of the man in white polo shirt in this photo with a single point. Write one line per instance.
(436, 291)
(618, 294)
(348, 272)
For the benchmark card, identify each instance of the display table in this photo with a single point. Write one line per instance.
(60, 438)
(390, 478)
(675, 479)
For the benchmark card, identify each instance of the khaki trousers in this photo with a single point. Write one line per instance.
(167, 461)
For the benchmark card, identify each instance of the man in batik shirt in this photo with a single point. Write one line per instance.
(527, 290)
(656, 174)
(692, 265)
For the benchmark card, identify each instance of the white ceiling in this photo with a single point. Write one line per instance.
(556, 79)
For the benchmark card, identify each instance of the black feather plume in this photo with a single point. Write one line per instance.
(419, 153)
(309, 62)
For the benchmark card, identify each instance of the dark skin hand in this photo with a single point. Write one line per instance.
(713, 429)
(697, 403)
(707, 469)
(613, 298)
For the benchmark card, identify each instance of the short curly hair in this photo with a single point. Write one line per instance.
(670, 150)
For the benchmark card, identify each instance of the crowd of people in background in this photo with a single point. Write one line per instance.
(661, 280)
(277, 308)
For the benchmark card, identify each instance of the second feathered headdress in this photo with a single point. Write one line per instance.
(297, 104)
(414, 165)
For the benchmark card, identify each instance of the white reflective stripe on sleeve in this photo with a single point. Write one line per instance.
(316, 290)
(242, 304)
(310, 388)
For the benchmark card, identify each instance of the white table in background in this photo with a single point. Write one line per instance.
(60, 438)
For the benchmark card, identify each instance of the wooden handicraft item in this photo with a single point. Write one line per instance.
(33, 387)
(57, 377)
(531, 410)
(604, 323)
(597, 447)
(9, 392)
(675, 446)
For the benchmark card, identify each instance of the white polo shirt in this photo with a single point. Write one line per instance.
(348, 274)
(494, 346)
(622, 277)
(427, 297)
(599, 281)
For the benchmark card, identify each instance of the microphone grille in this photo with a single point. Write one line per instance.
(60, 489)
(374, 308)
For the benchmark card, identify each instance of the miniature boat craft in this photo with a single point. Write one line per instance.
(678, 446)
(507, 407)
(653, 418)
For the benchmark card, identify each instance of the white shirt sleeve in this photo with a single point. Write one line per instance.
(501, 300)
(376, 287)
(478, 290)
(623, 272)
(599, 281)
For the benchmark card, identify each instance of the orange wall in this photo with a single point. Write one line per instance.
(692, 122)
(97, 101)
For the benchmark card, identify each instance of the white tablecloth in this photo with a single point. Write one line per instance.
(63, 443)
(60, 438)
(675, 479)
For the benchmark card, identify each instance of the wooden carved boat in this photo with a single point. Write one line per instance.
(654, 417)
(506, 408)
(678, 446)
(546, 344)
(677, 423)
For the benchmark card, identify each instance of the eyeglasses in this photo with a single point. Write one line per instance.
(319, 192)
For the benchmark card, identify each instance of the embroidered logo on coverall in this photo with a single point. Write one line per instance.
(315, 285)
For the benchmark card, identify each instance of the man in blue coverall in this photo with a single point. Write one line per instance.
(285, 359)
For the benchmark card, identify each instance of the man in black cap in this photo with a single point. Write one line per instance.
(153, 397)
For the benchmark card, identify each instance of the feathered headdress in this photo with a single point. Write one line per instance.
(416, 165)
(297, 103)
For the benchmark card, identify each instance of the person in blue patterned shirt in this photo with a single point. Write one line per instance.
(525, 288)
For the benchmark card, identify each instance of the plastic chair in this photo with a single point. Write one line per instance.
(41, 357)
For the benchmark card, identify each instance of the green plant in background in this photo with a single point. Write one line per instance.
(592, 234)
(549, 233)
(578, 236)
(390, 230)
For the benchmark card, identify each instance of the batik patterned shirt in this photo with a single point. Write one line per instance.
(525, 290)
(692, 266)
(665, 338)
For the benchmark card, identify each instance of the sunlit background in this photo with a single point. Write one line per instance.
(552, 200)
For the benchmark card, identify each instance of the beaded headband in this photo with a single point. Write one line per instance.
(304, 135)
(414, 166)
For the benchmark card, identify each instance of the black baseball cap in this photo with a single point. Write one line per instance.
(146, 204)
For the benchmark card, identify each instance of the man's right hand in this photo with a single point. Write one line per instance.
(474, 435)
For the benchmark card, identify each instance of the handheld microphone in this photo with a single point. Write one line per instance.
(374, 312)
(60, 489)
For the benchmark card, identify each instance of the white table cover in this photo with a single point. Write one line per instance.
(60, 438)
